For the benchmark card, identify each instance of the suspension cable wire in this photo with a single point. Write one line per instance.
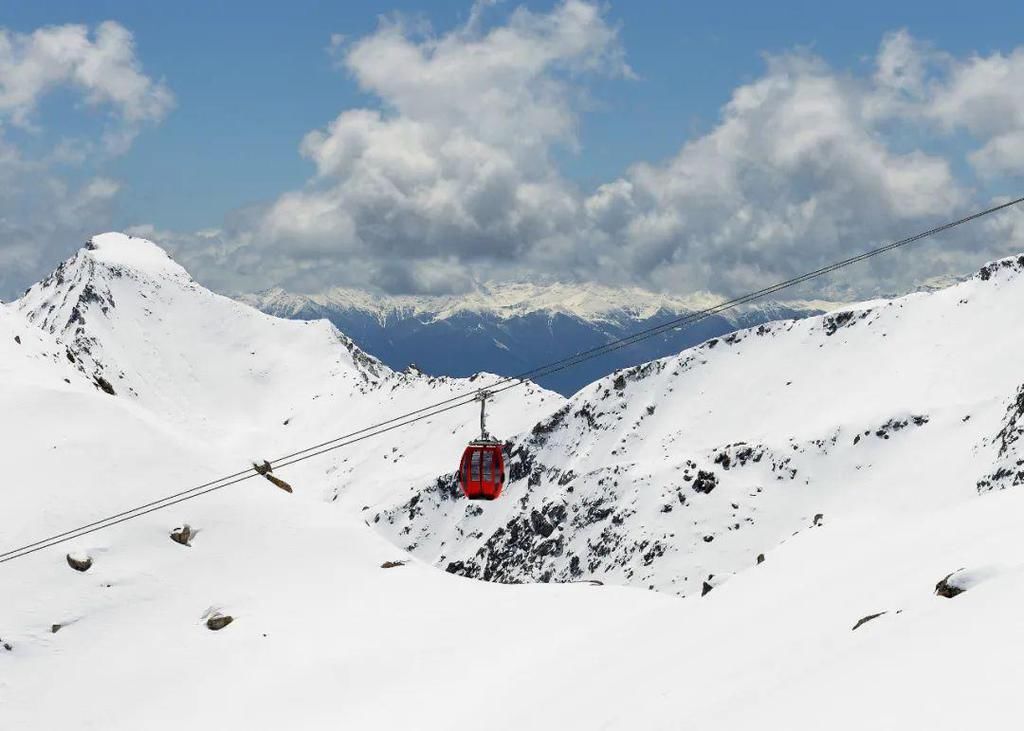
(206, 489)
(503, 384)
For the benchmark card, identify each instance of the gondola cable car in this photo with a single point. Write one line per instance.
(482, 470)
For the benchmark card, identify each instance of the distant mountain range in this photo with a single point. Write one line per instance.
(511, 328)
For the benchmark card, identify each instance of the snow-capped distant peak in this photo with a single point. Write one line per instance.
(590, 302)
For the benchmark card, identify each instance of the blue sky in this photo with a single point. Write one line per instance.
(251, 80)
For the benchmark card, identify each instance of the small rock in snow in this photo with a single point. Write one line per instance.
(79, 562)
(183, 535)
(218, 621)
(393, 564)
(705, 588)
(952, 584)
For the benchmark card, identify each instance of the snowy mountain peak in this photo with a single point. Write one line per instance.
(118, 250)
(134, 322)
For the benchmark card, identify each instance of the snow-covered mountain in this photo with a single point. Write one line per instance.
(679, 473)
(510, 328)
(137, 324)
(840, 626)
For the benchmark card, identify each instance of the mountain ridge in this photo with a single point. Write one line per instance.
(678, 473)
(504, 300)
(511, 328)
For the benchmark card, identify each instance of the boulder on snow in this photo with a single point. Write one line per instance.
(79, 561)
(393, 564)
(760, 558)
(705, 588)
(183, 535)
(953, 584)
(218, 621)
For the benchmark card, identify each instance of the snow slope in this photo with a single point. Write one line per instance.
(324, 637)
(677, 474)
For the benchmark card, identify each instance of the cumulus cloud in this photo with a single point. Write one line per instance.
(793, 175)
(101, 65)
(983, 95)
(50, 203)
(451, 178)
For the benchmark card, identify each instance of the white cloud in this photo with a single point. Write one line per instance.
(455, 168)
(985, 96)
(793, 175)
(102, 65)
(43, 215)
(452, 176)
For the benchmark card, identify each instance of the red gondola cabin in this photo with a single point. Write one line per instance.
(482, 472)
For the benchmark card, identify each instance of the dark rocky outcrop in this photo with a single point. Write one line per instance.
(103, 384)
(1010, 466)
(705, 482)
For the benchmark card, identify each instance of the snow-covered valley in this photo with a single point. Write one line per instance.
(864, 454)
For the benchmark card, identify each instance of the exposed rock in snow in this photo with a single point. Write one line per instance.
(961, 580)
(183, 535)
(79, 562)
(218, 621)
(1009, 470)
